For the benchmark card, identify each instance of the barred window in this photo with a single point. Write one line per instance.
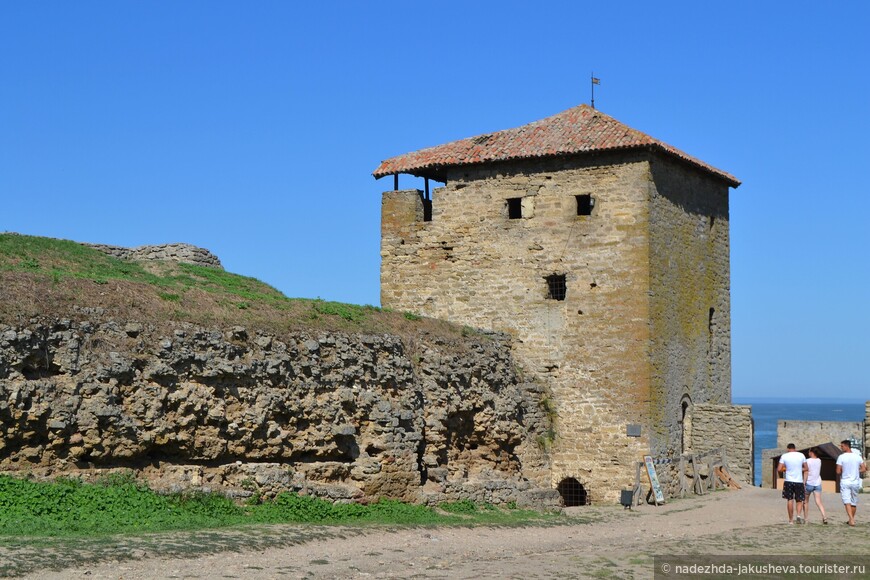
(556, 288)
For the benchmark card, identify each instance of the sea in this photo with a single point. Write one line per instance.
(767, 412)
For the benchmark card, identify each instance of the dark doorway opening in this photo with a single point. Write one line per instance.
(515, 208)
(573, 493)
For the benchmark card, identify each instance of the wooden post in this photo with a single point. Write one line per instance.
(636, 495)
(682, 476)
(711, 483)
(697, 486)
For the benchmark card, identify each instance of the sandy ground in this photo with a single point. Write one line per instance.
(603, 542)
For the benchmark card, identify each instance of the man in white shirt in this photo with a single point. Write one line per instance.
(850, 467)
(794, 465)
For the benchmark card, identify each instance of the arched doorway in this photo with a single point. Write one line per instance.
(686, 424)
(572, 492)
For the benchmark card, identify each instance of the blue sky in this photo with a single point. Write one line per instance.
(252, 129)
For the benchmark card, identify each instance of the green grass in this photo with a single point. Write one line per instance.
(58, 260)
(120, 505)
(65, 259)
(350, 312)
(53, 278)
(68, 507)
(62, 258)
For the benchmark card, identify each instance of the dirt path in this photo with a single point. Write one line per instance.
(603, 542)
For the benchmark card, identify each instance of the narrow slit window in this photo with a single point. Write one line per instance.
(515, 208)
(556, 288)
(585, 203)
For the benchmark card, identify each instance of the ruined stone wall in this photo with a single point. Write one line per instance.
(473, 265)
(184, 253)
(808, 433)
(336, 415)
(689, 300)
(729, 427)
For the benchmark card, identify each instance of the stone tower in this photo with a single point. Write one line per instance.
(604, 252)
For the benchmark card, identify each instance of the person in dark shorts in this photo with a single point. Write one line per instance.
(794, 465)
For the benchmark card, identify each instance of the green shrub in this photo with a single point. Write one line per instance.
(463, 506)
(120, 504)
(116, 504)
(292, 507)
(350, 312)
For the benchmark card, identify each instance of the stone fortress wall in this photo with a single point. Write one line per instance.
(340, 416)
(808, 433)
(620, 349)
(690, 307)
(730, 428)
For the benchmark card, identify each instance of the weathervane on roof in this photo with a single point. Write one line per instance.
(595, 81)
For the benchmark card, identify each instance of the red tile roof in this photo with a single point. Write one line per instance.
(578, 130)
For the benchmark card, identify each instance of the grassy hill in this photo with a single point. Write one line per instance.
(45, 277)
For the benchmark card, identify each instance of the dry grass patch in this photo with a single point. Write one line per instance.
(45, 278)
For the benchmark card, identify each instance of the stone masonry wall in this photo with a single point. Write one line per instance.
(689, 301)
(184, 253)
(343, 416)
(472, 265)
(808, 433)
(731, 428)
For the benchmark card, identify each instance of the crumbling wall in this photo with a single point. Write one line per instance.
(183, 253)
(343, 416)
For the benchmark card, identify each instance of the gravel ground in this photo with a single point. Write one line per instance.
(602, 542)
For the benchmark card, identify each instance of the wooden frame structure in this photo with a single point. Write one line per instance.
(689, 474)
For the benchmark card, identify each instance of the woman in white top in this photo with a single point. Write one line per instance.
(814, 485)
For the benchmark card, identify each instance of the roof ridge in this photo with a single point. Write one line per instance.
(578, 130)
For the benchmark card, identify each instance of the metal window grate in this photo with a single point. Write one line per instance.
(556, 288)
(572, 492)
